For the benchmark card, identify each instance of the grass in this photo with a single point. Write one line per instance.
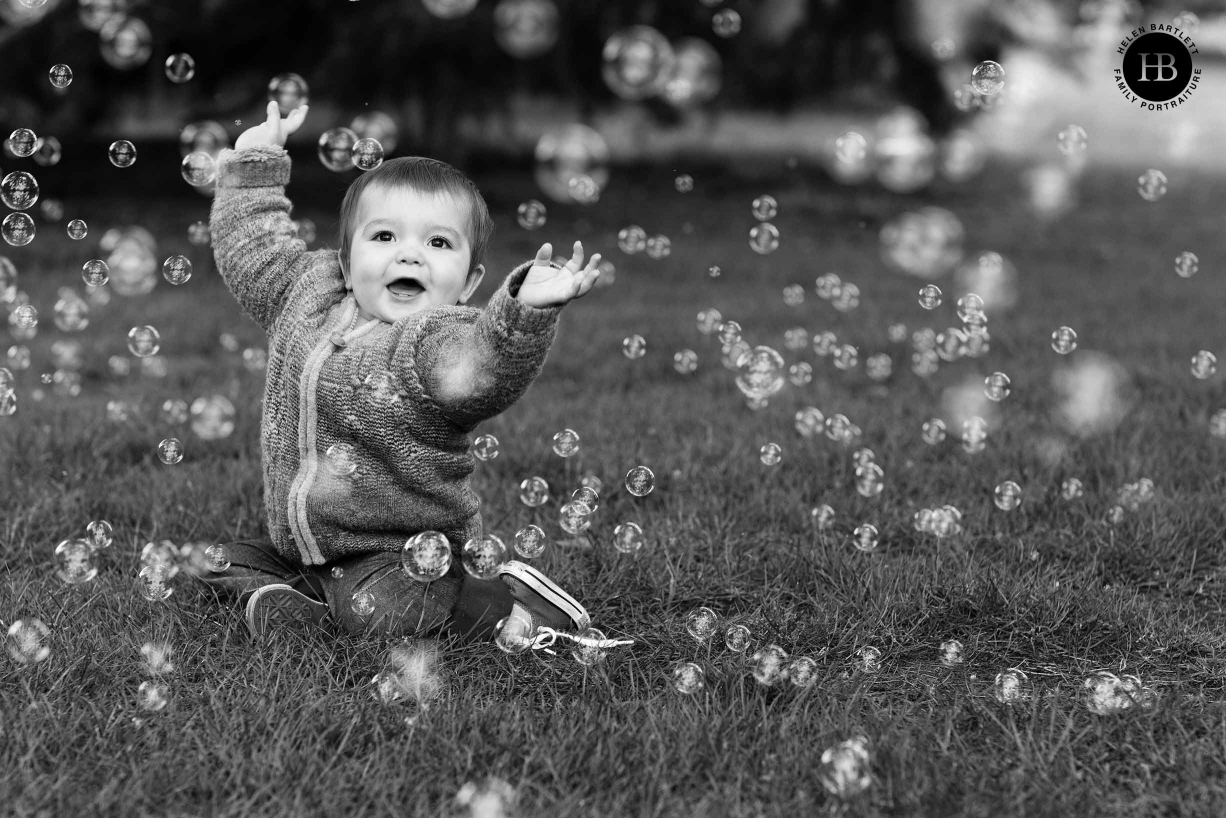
(290, 727)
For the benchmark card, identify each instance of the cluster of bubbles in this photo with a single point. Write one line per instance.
(639, 63)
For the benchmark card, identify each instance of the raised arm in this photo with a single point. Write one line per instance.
(254, 242)
(476, 370)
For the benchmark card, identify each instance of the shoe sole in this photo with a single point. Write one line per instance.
(546, 591)
(282, 606)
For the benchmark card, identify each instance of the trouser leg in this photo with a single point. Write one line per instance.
(402, 606)
(254, 563)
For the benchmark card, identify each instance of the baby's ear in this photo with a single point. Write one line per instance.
(474, 280)
(340, 260)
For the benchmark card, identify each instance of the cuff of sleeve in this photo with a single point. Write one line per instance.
(261, 166)
(515, 316)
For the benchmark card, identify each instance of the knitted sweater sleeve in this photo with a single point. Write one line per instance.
(254, 241)
(475, 370)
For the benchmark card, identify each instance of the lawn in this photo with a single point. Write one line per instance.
(293, 727)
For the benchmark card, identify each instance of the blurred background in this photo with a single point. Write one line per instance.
(654, 79)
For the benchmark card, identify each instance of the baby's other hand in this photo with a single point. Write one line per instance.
(549, 286)
(272, 131)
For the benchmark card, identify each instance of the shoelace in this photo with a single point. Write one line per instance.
(546, 637)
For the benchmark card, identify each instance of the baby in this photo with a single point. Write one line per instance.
(376, 376)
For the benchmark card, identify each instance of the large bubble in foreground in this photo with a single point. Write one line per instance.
(638, 62)
(569, 153)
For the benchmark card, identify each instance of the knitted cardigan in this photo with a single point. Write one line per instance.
(365, 426)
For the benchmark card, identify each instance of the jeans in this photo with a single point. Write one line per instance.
(459, 605)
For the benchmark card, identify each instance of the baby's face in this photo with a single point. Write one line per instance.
(410, 252)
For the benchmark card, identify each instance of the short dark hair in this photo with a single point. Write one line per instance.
(424, 175)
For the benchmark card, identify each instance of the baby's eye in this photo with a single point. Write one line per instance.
(444, 241)
(387, 233)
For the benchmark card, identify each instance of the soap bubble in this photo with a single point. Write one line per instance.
(177, 269)
(684, 183)
(19, 190)
(1093, 395)
(1064, 340)
(729, 332)
(588, 655)
(634, 346)
(726, 23)
(930, 296)
(526, 28)
(765, 208)
(126, 42)
(768, 664)
(534, 491)
(1072, 140)
(572, 153)
(122, 153)
(362, 603)
(483, 556)
(934, 431)
(823, 517)
(631, 239)
(99, 534)
(659, 247)
(531, 215)
(170, 451)
(155, 658)
(1186, 264)
(760, 372)
(951, 653)
(212, 417)
(870, 480)
(217, 558)
(685, 361)
(924, 243)
(800, 373)
(22, 142)
(850, 148)
(628, 538)
(844, 769)
(426, 556)
(736, 638)
(48, 153)
(802, 672)
(485, 447)
(996, 386)
(530, 542)
(144, 341)
(1008, 495)
(75, 562)
(514, 635)
(449, 9)
(566, 443)
(764, 238)
(1204, 365)
(688, 678)
(640, 481)
(1186, 21)
(206, 136)
(1152, 185)
(988, 78)
(77, 229)
(26, 641)
(336, 149)
(1071, 488)
(638, 62)
(697, 73)
(17, 229)
(367, 153)
(289, 91)
(180, 68)
(865, 537)
(199, 234)
(1011, 686)
(1107, 694)
(198, 169)
(60, 75)
(700, 623)
(153, 582)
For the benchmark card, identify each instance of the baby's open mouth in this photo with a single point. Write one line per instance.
(406, 287)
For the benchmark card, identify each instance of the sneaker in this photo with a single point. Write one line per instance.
(280, 605)
(548, 604)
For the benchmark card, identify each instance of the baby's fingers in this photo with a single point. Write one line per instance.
(274, 117)
(543, 256)
(295, 119)
(577, 257)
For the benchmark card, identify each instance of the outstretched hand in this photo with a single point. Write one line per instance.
(274, 130)
(549, 286)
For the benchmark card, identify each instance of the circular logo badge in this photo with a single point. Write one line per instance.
(1157, 66)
